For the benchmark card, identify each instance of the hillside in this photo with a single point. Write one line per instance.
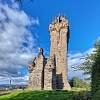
(47, 95)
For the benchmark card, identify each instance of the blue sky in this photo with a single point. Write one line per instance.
(28, 25)
(83, 16)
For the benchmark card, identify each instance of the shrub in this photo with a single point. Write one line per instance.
(83, 95)
(96, 96)
(76, 82)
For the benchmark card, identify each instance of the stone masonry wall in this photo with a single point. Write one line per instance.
(51, 73)
(35, 77)
(58, 36)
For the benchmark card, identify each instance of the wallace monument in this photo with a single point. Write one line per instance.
(51, 73)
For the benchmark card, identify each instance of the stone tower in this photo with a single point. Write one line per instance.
(59, 35)
(51, 73)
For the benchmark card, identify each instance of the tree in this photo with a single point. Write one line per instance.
(89, 60)
(86, 66)
(96, 72)
(91, 66)
(20, 1)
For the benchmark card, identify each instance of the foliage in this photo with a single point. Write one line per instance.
(82, 95)
(20, 1)
(91, 66)
(76, 82)
(96, 72)
(96, 96)
(86, 66)
(88, 63)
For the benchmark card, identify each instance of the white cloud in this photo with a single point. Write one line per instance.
(16, 40)
(14, 80)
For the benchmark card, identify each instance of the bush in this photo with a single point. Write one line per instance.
(76, 82)
(83, 95)
(96, 96)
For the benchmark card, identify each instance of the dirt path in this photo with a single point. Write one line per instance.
(5, 92)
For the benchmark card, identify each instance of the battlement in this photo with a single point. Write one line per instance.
(60, 22)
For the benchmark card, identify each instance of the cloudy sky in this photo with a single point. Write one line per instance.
(24, 28)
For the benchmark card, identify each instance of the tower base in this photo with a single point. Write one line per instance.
(67, 86)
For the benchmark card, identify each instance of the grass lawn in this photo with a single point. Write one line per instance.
(45, 95)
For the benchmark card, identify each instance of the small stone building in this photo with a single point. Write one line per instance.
(51, 73)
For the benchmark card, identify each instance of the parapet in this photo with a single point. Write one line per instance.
(58, 23)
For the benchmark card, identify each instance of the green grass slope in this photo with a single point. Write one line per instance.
(44, 95)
